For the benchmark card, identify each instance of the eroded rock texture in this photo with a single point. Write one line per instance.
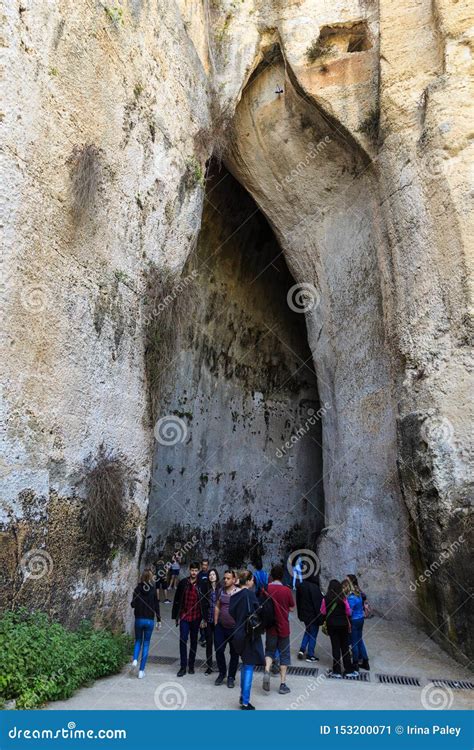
(348, 124)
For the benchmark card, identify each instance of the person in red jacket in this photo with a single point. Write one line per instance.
(278, 636)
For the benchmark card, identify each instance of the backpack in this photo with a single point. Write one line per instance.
(261, 619)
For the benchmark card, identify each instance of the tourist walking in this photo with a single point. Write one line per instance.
(337, 613)
(278, 636)
(146, 607)
(356, 603)
(175, 571)
(247, 641)
(161, 570)
(308, 605)
(188, 614)
(224, 631)
(209, 592)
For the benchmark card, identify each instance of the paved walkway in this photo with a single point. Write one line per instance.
(393, 649)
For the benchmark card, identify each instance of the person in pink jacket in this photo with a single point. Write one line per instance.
(337, 613)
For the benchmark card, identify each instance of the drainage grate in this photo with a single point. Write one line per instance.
(361, 677)
(295, 671)
(455, 684)
(163, 659)
(397, 679)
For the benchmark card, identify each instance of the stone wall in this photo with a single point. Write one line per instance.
(111, 110)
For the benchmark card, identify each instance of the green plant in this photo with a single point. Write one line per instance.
(371, 125)
(106, 479)
(85, 168)
(53, 72)
(41, 661)
(114, 14)
(194, 174)
(121, 276)
(318, 49)
(138, 90)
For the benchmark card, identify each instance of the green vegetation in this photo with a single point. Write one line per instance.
(194, 173)
(41, 661)
(122, 275)
(114, 14)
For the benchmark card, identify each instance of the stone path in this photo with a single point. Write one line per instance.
(393, 649)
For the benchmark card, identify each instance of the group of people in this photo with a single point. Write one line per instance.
(233, 614)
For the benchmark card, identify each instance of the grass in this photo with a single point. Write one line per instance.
(194, 173)
(107, 479)
(40, 660)
(114, 14)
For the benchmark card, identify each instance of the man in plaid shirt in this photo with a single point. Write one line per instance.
(188, 614)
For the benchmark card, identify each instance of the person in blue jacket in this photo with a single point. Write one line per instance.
(356, 603)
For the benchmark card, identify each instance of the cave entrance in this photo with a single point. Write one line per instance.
(244, 480)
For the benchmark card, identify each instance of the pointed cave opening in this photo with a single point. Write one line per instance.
(244, 480)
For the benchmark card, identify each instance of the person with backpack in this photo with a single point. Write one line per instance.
(278, 635)
(308, 605)
(336, 612)
(356, 603)
(146, 606)
(224, 631)
(260, 577)
(247, 637)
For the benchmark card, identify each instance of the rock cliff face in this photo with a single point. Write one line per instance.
(348, 124)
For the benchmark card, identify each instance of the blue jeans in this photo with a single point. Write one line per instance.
(188, 630)
(359, 652)
(246, 675)
(309, 638)
(222, 637)
(143, 633)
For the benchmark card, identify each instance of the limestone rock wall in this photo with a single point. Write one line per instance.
(110, 113)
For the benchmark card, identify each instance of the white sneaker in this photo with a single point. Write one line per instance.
(134, 663)
(141, 674)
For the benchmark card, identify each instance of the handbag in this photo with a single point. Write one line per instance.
(331, 609)
(253, 623)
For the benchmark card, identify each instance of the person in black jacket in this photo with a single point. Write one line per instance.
(308, 606)
(188, 613)
(248, 646)
(146, 606)
(337, 613)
